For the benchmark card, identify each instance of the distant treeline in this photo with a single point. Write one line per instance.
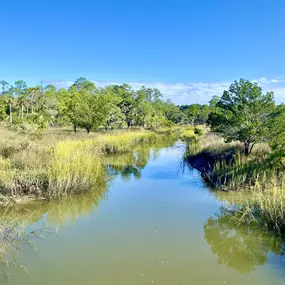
(86, 106)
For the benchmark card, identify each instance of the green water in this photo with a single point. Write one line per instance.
(154, 223)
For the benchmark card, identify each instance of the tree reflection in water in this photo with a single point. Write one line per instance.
(238, 246)
(132, 163)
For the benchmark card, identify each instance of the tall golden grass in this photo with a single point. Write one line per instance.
(62, 165)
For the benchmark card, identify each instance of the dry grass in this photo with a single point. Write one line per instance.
(60, 164)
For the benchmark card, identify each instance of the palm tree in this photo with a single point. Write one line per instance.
(19, 89)
(9, 99)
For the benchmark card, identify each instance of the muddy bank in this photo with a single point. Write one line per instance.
(205, 163)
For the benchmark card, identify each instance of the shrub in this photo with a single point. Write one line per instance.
(198, 131)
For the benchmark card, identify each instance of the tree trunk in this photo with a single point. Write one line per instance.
(129, 124)
(22, 111)
(88, 130)
(251, 148)
(74, 128)
(10, 115)
(246, 148)
(27, 109)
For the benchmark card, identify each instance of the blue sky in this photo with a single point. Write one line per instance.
(191, 50)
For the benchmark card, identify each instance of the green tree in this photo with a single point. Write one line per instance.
(172, 112)
(4, 85)
(277, 131)
(243, 115)
(50, 88)
(19, 89)
(67, 108)
(214, 102)
(10, 101)
(115, 119)
(157, 121)
(32, 95)
(3, 105)
(143, 106)
(192, 113)
(83, 84)
(92, 110)
(128, 102)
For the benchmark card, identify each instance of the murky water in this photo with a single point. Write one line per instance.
(153, 224)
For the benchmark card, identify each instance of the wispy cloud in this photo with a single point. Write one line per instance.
(193, 92)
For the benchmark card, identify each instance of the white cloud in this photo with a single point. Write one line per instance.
(193, 92)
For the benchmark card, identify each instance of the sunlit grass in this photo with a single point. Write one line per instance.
(63, 165)
(74, 169)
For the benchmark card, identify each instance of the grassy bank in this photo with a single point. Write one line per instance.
(55, 166)
(258, 180)
(60, 163)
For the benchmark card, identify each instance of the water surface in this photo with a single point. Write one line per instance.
(153, 224)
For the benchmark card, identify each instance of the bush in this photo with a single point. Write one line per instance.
(198, 131)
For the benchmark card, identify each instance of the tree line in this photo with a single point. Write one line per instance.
(243, 113)
(83, 105)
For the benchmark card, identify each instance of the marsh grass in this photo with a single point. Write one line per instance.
(118, 143)
(74, 168)
(264, 206)
(62, 164)
(256, 183)
(189, 134)
(225, 166)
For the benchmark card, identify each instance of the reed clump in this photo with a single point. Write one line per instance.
(123, 142)
(264, 206)
(190, 134)
(74, 169)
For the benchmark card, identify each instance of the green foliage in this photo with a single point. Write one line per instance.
(84, 105)
(115, 119)
(277, 131)
(188, 135)
(195, 114)
(243, 113)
